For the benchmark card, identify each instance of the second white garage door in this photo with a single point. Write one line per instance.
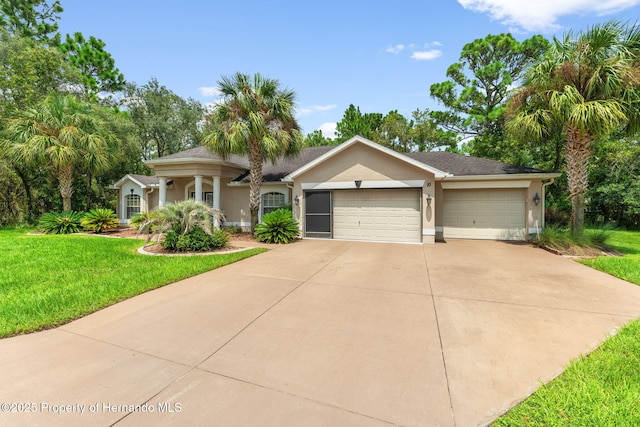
(377, 215)
(497, 214)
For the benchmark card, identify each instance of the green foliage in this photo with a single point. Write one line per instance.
(419, 133)
(255, 118)
(196, 240)
(38, 291)
(181, 218)
(95, 64)
(317, 139)
(584, 88)
(562, 239)
(614, 188)
(100, 220)
(356, 123)
(233, 229)
(64, 134)
(164, 122)
(141, 217)
(477, 89)
(61, 222)
(278, 226)
(29, 72)
(34, 19)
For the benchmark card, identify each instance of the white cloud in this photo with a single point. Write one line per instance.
(395, 49)
(209, 91)
(305, 111)
(426, 55)
(541, 15)
(328, 130)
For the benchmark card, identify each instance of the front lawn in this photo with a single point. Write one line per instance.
(46, 281)
(602, 388)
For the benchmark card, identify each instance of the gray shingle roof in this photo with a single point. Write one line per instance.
(204, 153)
(146, 180)
(284, 166)
(458, 164)
(452, 163)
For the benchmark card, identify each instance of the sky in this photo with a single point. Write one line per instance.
(377, 55)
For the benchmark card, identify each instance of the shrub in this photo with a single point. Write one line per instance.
(99, 220)
(181, 217)
(140, 218)
(234, 229)
(196, 240)
(560, 238)
(277, 227)
(60, 222)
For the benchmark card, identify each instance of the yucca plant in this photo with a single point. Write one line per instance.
(141, 217)
(100, 220)
(277, 227)
(180, 218)
(60, 222)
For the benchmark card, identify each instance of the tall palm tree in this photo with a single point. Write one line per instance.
(254, 118)
(587, 86)
(61, 133)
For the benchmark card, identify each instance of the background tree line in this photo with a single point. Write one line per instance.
(72, 82)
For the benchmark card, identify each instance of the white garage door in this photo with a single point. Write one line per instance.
(497, 214)
(379, 215)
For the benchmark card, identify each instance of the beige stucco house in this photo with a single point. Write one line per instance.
(358, 190)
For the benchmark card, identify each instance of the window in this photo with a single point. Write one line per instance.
(133, 205)
(272, 202)
(207, 197)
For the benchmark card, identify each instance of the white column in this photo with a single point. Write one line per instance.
(198, 189)
(216, 197)
(162, 197)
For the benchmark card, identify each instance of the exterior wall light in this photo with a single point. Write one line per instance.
(132, 191)
(296, 200)
(358, 183)
(429, 199)
(536, 199)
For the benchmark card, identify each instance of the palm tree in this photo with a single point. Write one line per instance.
(587, 86)
(182, 217)
(63, 134)
(255, 118)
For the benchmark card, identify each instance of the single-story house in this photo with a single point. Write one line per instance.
(358, 190)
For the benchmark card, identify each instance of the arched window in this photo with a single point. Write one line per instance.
(133, 205)
(271, 202)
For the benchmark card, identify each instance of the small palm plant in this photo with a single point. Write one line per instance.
(100, 220)
(141, 217)
(277, 227)
(180, 219)
(60, 222)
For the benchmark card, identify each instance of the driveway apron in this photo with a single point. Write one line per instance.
(323, 333)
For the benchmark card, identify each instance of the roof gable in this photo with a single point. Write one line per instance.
(360, 140)
(143, 181)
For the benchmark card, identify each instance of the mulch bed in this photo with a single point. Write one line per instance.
(156, 248)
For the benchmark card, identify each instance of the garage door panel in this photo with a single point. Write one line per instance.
(484, 214)
(384, 215)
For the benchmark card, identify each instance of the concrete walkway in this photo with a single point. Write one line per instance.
(323, 333)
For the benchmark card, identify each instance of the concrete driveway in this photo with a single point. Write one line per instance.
(323, 333)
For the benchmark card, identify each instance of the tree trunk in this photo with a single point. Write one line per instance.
(578, 154)
(27, 190)
(65, 179)
(255, 182)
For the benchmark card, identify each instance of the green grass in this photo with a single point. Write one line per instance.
(50, 280)
(602, 388)
(627, 267)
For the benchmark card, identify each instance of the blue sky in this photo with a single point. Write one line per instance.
(380, 56)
